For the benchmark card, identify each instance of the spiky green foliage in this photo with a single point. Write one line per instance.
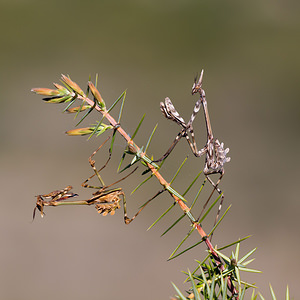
(209, 283)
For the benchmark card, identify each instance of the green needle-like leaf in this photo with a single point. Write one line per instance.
(204, 279)
(187, 249)
(225, 258)
(87, 113)
(161, 216)
(146, 170)
(138, 127)
(139, 185)
(200, 263)
(237, 252)
(121, 108)
(247, 255)
(96, 128)
(150, 138)
(224, 287)
(287, 295)
(249, 270)
(261, 296)
(228, 271)
(238, 241)
(253, 297)
(197, 195)
(195, 179)
(88, 87)
(184, 239)
(212, 289)
(80, 109)
(59, 99)
(125, 168)
(272, 293)
(178, 292)
(178, 170)
(233, 256)
(242, 294)
(217, 224)
(169, 228)
(103, 128)
(248, 262)
(195, 290)
(121, 161)
(112, 142)
(96, 80)
(248, 284)
(70, 104)
(237, 272)
(209, 209)
(115, 103)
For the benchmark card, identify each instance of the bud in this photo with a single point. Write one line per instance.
(74, 86)
(46, 92)
(78, 108)
(61, 88)
(96, 94)
(80, 131)
(89, 130)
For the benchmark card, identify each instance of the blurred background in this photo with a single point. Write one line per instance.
(250, 53)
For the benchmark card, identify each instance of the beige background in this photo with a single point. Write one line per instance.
(250, 53)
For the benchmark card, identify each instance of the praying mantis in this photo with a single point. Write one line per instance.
(215, 154)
